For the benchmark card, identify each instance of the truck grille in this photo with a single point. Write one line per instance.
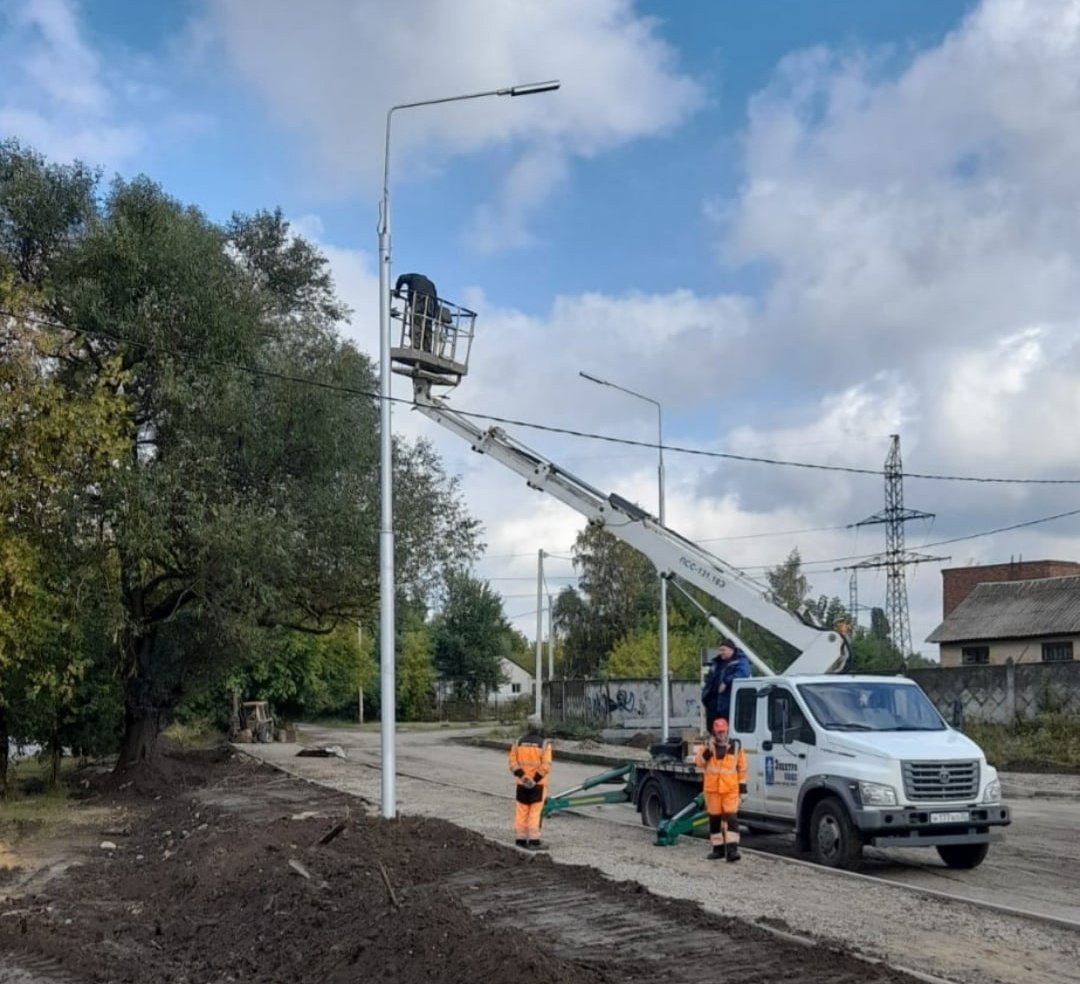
(941, 781)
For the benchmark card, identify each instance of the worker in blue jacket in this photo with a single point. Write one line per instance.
(729, 664)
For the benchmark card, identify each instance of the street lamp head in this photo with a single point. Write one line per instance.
(530, 88)
(593, 379)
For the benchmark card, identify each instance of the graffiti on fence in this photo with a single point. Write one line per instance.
(604, 704)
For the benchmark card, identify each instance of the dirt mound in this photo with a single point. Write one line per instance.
(240, 873)
(268, 879)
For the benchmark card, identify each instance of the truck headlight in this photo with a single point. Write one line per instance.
(992, 793)
(876, 794)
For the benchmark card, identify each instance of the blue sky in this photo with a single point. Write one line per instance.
(802, 225)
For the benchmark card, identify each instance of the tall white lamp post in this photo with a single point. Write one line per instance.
(386, 486)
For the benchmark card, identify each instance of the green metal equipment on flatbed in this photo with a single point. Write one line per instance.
(665, 791)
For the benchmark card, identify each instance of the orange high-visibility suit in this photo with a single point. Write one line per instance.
(530, 762)
(723, 766)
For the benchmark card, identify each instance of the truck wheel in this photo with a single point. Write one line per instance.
(963, 856)
(652, 804)
(834, 841)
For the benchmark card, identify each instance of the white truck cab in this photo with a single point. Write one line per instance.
(843, 761)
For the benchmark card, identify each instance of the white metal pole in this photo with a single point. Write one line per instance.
(665, 672)
(386, 484)
(538, 709)
(388, 690)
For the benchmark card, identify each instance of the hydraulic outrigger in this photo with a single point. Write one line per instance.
(689, 819)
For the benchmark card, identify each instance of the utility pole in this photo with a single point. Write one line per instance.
(895, 558)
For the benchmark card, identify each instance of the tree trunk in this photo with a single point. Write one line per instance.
(138, 744)
(144, 714)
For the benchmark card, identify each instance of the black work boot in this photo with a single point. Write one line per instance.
(733, 852)
(521, 842)
(716, 854)
(536, 845)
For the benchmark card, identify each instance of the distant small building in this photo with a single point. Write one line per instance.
(958, 582)
(1027, 621)
(519, 682)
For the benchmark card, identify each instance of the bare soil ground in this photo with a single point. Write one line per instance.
(225, 870)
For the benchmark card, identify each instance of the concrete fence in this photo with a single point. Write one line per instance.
(621, 703)
(998, 694)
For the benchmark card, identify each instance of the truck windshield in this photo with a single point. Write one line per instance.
(848, 705)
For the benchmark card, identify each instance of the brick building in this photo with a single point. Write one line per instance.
(1020, 612)
(959, 582)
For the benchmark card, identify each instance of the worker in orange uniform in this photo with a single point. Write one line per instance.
(723, 764)
(530, 762)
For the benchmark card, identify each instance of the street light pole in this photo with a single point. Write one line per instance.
(388, 690)
(665, 696)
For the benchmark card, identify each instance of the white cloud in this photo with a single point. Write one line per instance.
(68, 99)
(928, 211)
(921, 229)
(331, 69)
(55, 95)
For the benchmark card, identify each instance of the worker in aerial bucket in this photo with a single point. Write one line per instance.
(422, 309)
(530, 762)
(723, 766)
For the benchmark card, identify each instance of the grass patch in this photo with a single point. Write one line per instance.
(1047, 743)
(29, 801)
(199, 734)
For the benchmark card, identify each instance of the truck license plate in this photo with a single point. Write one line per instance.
(960, 816)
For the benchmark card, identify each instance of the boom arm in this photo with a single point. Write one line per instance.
(822, 651)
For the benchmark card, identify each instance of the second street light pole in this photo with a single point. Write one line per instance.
(665, 684)
(388, 689)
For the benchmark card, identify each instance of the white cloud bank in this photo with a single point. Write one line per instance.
(332, 68)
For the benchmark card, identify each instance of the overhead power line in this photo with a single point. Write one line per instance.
(547, 428)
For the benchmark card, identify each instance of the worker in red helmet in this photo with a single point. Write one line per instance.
(530, 763)
(723, 766)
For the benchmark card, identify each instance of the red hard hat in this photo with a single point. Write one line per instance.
(720, 724)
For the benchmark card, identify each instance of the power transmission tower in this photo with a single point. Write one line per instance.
(895, 558)
(853, 599)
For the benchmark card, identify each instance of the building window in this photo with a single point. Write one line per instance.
(974, 655)
(1057, 652)
(515, 688)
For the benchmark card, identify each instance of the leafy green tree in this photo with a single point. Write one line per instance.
(827, 612)
(416, 677)
(879, 625)
(618, 592)
(571, 615)
(246, 499)
(57, 589)
(636, 654)
(470, 636)
(873, 650)
(789, 586)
